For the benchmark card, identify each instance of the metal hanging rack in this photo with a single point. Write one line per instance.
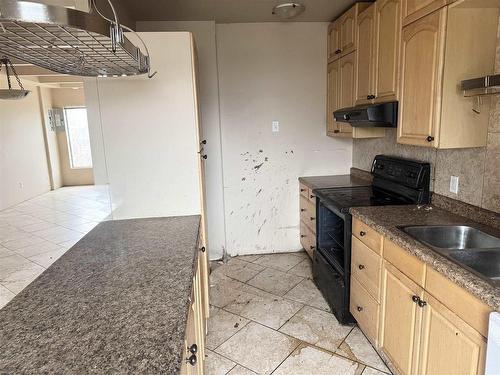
(68, 41)
(10, 93)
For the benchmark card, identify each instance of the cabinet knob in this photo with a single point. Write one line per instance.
(203, 249)
(338, 51)
(312, 218)
(302, 190)
(370, 97)
(415, 299)
(430, 138)
(312, 247)
(362, 233)
(361, 267)
(302, 209)
(204, 142)
(192, 360)
(193, 349)
(359, 308)
(422, 303)
(311, 196)
(303, 236)
(204, 156)
(336, 131)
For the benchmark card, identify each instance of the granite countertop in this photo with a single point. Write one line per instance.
(325, 182)
(386, 219)
(116, 302)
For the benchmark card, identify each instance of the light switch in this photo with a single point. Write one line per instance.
(276, 126)
(454, 184)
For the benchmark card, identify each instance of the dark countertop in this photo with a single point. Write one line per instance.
(386, 219)
(116, 302)
(325, 182)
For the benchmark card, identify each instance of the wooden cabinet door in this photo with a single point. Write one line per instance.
(334, 41)
(415, 9)
(386, 50)
(364, 56)
(332, 97)
(401, 318)
(449, 346)
(421, 80)
(347, 24)
(346, 91)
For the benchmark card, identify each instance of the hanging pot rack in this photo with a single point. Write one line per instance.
(68, 41)
(10, 93)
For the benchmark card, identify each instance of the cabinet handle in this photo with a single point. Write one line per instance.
(430, 138)
(369, 97)
(193, 349)
(422, 303)
(362, 233)
(302, 209)
(311, 196)
(359, 308)
(302, 190)
(204, 157)
(361, 267)
(204, 142)
(303, 236)
(192, 360)
(415, 299)
(312, 247)
(312, 218)
(336, 131)
(203, 249)
(338, 51)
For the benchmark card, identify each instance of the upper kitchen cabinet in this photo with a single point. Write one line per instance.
(415, 9)
(364, 59)
(342, 32)
(438, 51)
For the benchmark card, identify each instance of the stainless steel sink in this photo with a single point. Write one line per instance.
(453, 237)
(465, 245)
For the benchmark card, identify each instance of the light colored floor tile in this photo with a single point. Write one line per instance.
(221, 326)
(215, 364)
(240, 370)
(274, 281)
(38, 226)
(12, 264)
(357, 347)
(223, 290)
(22, 242)
(307, 293)
(303, 269)
(5, 296)
(371, 371)
(308, 361)
(18, 280)
(269, 311)
(283, 261)
(37, 249)
(85, 228)
(46, 259)
(5, 252)
(69, 244)
(248, 258)
(239, 270)
(268, 348)
(316, 327)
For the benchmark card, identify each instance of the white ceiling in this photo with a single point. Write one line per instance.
(229, 11)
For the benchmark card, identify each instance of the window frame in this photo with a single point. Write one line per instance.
(68, 139)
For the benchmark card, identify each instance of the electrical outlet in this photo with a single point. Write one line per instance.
(276, 126)
(454, 184)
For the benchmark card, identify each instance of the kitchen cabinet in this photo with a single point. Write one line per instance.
(346, 79)
(307, 207)
(417, 318)
(333, 41)
(364, 58)
(437, 52)
(416, 9)
(332, 96)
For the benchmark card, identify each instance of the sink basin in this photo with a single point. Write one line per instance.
(456, 237)
(484, 262)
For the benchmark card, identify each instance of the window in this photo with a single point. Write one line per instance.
(77, 133)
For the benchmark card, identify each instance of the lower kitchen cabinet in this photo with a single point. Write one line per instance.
(307, 219)
(449, 346)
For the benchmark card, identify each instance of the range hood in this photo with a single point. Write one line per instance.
(68, 41)
(383, 115)
(487, 85)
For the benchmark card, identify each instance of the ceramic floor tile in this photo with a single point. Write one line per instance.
(239, 270)
(38, 226)
(274, 281)
(307, 361)
(269, 311)
(18, 280)
(221, 326)
(22, 242)
(269, 348)
(283, 262)
(12, 264)
(46, 259)
(303, 269)
(5, 252)
(248, 258)
(307, 293)
(5, 296)
(215, 364)
(316, 327)
(37, 249)
(240, 370)
(357, 347)
(371, 371)
(223, 290)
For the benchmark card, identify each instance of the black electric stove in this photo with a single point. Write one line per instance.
(396, 181)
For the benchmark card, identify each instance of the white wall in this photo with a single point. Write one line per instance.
(23, 162)
(149, 133)
(267, 72)
(204, 35)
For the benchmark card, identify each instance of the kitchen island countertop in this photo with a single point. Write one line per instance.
(116, 302)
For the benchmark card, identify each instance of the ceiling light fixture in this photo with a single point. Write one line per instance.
(288, 11)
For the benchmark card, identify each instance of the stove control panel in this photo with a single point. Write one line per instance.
(411, 173)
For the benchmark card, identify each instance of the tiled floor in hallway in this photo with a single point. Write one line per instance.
(35, 233)
(268, 317)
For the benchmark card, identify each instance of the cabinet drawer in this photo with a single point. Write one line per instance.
(365, 310)
(367, 235)
(462, 303)
(304, 190)
(308, 213)
(307, 239)
(406, 263)
(365, 267)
